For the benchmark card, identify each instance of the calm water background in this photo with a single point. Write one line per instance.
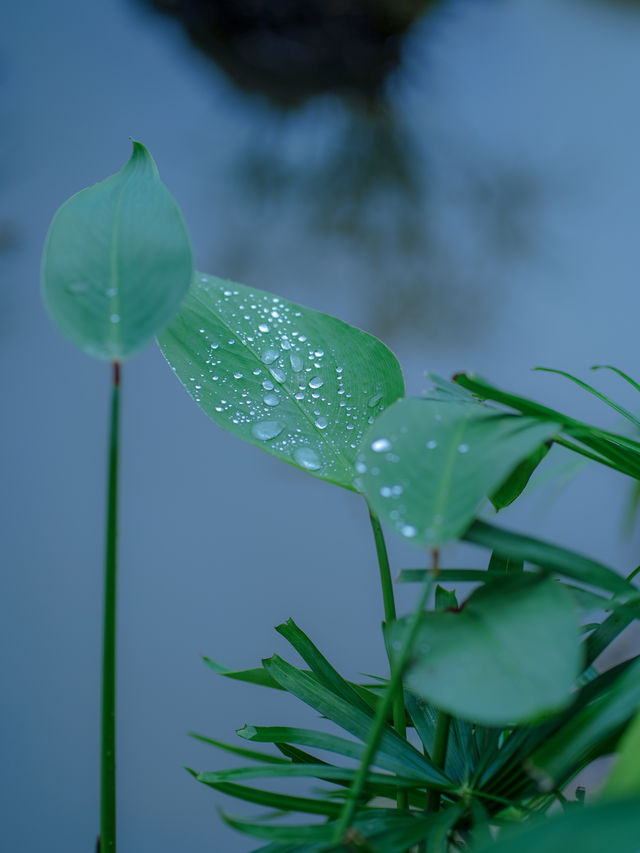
(485, 217)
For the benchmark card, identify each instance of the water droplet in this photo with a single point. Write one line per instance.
(319, 353)
(322, 422)
(431, 444)
(271, 399)
(361, 468)
(302, 338)
(278, 374)
(408, 530)
(396, 490)
(263, 328)
(266, 430)
(269, 356)
(115, 318)
(267, 385)
(380, 445)
(307, 457)
(296, 362)
(316, 382)
(463, 448)
(373, 401)
(237, 375)
(385, 491)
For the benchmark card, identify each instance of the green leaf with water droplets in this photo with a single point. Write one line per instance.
(426, 466)
(510, 655)
(299, 384)
(117, 261)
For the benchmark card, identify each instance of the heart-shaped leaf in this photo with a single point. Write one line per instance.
(426, 465)
(299, 384)
(117, 261)
(511, 654)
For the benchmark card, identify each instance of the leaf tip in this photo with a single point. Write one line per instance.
(246, 732)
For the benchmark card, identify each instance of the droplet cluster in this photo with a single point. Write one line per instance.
(261, 366)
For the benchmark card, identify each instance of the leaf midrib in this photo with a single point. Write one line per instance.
(349, 465)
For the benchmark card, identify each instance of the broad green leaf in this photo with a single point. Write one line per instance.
(512, 653)
(547, 556)
(117, 261)
(299, 384)
(519, 478)
(624, 779)
(426, 466)
(585, 735)
(613, 826)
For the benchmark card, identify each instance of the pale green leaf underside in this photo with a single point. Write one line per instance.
(511, 655)
(299, 384)
(624, 779)
(612, 826)
(117, 261)
(427, 465)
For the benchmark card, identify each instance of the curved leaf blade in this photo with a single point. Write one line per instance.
(512, 654)
(426, 466)
(117, 261)
(297, 383)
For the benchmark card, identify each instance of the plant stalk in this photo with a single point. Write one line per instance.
(378, 723)
(107, 843)
(441, 737)
(399, 719)
(439, 755)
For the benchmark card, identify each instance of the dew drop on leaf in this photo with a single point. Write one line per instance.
(316, 382)
(269, 356)
(271, 399)
(380, 445)
(307, 458)
(266, 430)
(296, 362)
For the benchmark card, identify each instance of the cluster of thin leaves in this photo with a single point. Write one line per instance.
(500, 691)
(512, 669)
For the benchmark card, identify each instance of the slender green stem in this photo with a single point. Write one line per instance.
(378, 723)
(108, 748)
(439, 755)
(399, 719)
